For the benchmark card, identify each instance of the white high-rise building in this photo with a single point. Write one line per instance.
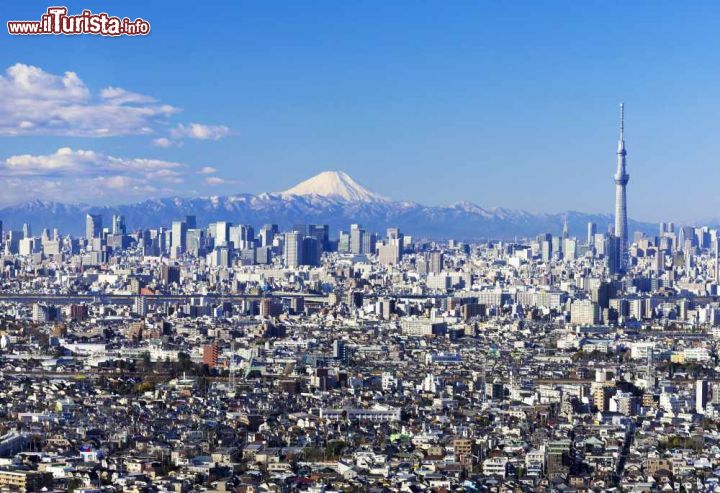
(179, 234)
(584, 312)
(140, 305)
(93, 226)
(591, 231)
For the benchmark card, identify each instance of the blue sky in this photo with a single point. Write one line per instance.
(511, 104)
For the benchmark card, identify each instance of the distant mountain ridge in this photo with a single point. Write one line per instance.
(329, 198)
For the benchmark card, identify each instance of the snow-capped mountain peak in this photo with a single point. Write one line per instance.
(335, 185)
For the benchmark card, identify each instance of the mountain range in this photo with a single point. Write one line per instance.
(331, 197)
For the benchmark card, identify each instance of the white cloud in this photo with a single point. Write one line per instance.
(216, 180)
(121, 96)
(68, 162)
(200, 131)
(70, 175)
(35, 102)
(207, 170)
(164, 142)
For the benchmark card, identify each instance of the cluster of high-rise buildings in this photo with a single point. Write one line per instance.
(221, 357)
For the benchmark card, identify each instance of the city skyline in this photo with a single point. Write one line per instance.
(474, 106)
(323, 247)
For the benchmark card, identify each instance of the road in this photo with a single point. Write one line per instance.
(127, 299)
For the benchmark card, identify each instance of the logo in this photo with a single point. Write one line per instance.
(57, 21)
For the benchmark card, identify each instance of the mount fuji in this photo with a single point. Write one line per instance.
(333, 185)
(331, 197)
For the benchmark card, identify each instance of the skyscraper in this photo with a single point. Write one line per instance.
(613, 254)
(621, 181)
(242, 236)
(435, 262)
(179, 238)
(591, 230)
(322, 233)
(118, 225)
(293, 249)
(356, 239)
(267, 234)
(93, 226)
(311, 251)
(221, 232)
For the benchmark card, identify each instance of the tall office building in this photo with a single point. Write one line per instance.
(343, 242)
(93, 226)
(322, 233)
(394, 233)
(584, 312)
(621, 181)
(118, 225)
(356, 239)
(311, 251)
(591, 231)
(301, 249)
(659, 262)
(12, 245)
(267, 234)
(195, 243)
(369, 241)
(390, 251)
(242, 236)
(613, 254)
(263, 255)
(435, 262)
(221, 256)
(292, 253)
(220, 231)
(546, 250)
(179, 238)
(140, 306)
(569, 248)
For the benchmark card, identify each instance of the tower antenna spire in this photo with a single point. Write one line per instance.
(621, 181)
